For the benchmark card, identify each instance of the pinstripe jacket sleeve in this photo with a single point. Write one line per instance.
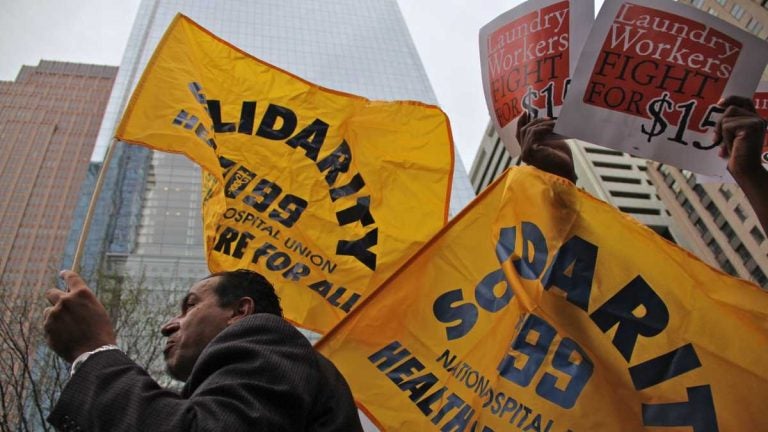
(260, 374)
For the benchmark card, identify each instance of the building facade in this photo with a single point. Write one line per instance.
(49, 120)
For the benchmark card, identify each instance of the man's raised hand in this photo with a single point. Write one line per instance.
(76, 322)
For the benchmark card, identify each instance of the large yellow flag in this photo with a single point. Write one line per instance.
(323, 192)
(540, 308)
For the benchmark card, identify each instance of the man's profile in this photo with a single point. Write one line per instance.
(244, 366)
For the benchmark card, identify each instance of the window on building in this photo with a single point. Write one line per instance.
(639, 210)
(611, 165)
(624, 194)
(737, 11)
(687, 206)
(757, 234)
(721, 2)
(725, 192)
(728, 231)
(480, 162)
(759, 277)
(720, 221)
(728, 268)
(713, 210)
(743, 253)
(484, 179)
(740, 213)
(675, 187)
(668, 179)
(699, 190)
(754, 25)
(621, 179)
(603, 151)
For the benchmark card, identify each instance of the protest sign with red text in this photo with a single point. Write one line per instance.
(527, 55)
(650, 77)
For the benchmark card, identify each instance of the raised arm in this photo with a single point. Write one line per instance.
(742, 134)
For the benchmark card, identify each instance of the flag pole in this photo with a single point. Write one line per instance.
(92, 206)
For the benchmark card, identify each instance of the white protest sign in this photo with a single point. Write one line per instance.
(649, 79)
(527, 55)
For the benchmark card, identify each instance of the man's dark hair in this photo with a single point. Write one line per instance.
(236, 284)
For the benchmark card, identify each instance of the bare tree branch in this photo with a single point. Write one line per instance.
(32, 376)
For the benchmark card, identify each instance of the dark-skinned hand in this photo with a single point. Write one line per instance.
(544, 149)
(741, 134)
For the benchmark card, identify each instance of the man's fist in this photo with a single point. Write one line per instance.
(76, 322)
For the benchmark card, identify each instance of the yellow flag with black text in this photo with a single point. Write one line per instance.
(323, 192)
(541, 308)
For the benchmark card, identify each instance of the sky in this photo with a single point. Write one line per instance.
(445, 33)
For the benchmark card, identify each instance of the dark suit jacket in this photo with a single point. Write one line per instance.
(259, 374)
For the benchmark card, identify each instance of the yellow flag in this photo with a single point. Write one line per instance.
(540, 308)
(325, 193)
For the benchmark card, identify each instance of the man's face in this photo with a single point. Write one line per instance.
(201, 319)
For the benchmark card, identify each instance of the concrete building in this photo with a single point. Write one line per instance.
(749, 14)
(49, 119)
(716, 219)
(360, 47)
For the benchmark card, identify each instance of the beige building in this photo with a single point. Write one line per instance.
(49, 119)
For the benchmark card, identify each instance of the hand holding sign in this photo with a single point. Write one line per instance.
(527, 56)
(543, 148)
(742, 134)
(76, 322)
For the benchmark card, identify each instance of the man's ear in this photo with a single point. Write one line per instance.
(241, 309)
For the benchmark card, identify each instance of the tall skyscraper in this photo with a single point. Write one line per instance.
(49, 119)
(360, 47)
(716, 218)
(713, 221)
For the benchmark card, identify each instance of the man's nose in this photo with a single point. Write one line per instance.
(170, 327)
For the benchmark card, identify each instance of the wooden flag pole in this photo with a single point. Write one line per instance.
(92, 206)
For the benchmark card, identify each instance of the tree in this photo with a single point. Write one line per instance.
(32, 376)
